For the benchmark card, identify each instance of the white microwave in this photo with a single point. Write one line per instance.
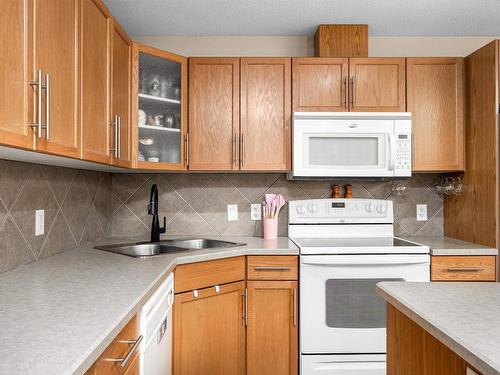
(348, 144)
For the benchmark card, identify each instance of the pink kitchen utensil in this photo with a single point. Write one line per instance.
(271, 207)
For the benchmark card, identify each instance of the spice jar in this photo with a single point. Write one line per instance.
(348, 191)
(335, 191)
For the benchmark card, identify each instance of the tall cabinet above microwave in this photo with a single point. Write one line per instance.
(342, 144)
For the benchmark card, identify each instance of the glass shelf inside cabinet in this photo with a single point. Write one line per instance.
(159, 110)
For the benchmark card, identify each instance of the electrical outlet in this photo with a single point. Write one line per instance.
(256, 211)
(232, 212)
(421, 212)
(39, 222)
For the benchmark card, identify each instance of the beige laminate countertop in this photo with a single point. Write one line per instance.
(59, 314)
(463, 316)
(450, 246)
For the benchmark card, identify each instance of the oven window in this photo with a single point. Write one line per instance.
(343, 151)
(353, 303)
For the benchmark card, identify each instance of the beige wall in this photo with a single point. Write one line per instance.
(303, 46)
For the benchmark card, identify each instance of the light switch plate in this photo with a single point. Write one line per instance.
(421, 212)
(256, 211)
(232, 212)
(39, 222)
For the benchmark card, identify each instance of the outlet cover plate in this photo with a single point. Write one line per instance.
(232, 212)
(256, 211)
(39, 222)
(421, 212)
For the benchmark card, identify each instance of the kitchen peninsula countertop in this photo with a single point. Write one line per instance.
(463, 316)
(59, 314)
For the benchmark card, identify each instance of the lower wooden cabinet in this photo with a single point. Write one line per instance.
(109, 361)
(209, 331)
(272, 340)
(463, 268)
(234, 327)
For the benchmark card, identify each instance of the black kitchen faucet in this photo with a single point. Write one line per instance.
(156, 230)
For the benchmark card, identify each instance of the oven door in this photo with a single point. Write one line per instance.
(339, 308)
(361, 148)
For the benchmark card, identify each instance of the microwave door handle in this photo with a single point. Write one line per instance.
(392, 148)
(388, 151)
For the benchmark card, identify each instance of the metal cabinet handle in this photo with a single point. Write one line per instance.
(346, 94)
(233, 149)
(38, 123)
(465, 269)
(119, 138)
(294, 307)
(115, 130)
(186, 150)
(242, 143)
(123, 361)
(272, 268)
(246, 307)
(217, 289)
(353, 98)
(47, 107)
(195, 293)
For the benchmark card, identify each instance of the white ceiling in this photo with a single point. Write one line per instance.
(300, 17)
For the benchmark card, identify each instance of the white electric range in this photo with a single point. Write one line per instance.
(346, 247)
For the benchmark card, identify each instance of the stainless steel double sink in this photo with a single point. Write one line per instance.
(147, 249)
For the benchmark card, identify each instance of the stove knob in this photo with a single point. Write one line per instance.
(312, 208)
(381, 208)
(301, 210)
(369, 207)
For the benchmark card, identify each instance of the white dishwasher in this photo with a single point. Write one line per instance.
(156, 327)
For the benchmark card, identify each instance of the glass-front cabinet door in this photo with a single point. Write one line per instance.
(159, 109)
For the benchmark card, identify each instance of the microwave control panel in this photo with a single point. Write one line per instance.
(402, 165)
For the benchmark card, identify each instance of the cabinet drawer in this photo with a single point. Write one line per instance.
(272, 267)
(121, 346)
(463, 268)
(204, 274)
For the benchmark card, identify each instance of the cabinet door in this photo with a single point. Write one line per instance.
(14, 119)
(377, 84)
(209, 331)
(214, 113)
(96, 27)
(272, 340)
(159, 109)
(320, 84)
(436, 102)
(265, 114)
(120, 96)
(55, 39)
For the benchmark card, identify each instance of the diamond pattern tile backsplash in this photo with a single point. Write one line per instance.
(77, 207)
(196, 204)
(82, 207)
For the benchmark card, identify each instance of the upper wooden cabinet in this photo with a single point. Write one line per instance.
(96, 26)
(214, 113)
(121, 57)
(377, 84)
(320, 84)
(435, 97)
(265, 114)
(159, 109)
(15, 76)
(55, 39)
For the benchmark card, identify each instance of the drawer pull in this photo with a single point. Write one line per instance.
(272, 268)
(465, 269)
(123, 361)
(195, 293)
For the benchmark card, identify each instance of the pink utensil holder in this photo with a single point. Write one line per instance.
(270, 227)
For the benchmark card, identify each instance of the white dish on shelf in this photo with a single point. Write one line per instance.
(146, 141)
(154, 159)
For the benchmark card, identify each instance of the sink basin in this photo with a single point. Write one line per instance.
(147, 249)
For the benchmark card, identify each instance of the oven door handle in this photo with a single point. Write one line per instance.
(365, 260)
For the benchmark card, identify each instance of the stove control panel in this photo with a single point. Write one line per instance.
(331, 211)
